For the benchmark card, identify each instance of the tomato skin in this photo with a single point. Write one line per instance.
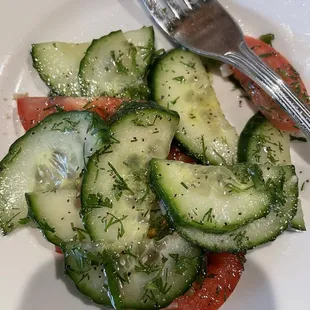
(272, 111)
(32, 110)
(223, 273)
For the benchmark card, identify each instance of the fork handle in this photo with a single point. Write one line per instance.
(252, 66)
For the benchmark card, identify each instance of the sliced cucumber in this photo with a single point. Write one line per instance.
(49, 156)
(84, 266)
(110, 66)
(144, 41)
(260, 231)
(212, 198)
(298, 222)
(180, 82)
(153, 274)
(116, 199)
(57, 214)
(58, 65)
(260, 142)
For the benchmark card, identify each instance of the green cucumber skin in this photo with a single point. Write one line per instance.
(81, 271)
(133, 88)
(218, 156)
(177, 218)
(246, 136)
(69, 86)
(229, 241)
(254, 127)
(101, 130)
(57, 215)
(127, 108)
(298, 222)
(144, 150)
(260, 142)
(193, 267)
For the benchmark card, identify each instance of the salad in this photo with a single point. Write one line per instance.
(130, 168)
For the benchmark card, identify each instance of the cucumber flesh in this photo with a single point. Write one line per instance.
(144, 41)
(298, 222)
(58, 65)
(57, 214)
(154, 273)
(179, 81)
(109, 68)
(263, 230)
(261, 143)
(50, 156)
(84, 267)
(116, 199)
(212, 198)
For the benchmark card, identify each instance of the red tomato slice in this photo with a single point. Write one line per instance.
(272, 111)
(58, 250)
(176, 154)
(223, 273)
(32, 110)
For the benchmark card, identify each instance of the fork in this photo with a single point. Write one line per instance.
(207, 29)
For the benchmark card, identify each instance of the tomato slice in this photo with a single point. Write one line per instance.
(58, 250)
(272, 111)
(223, 273)
(176, 154)
(32, 110)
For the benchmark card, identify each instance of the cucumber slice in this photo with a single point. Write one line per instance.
(212, 198)
(58, 65)
(116, 199)
(57, 214)
(49, 156)
(260, 231)
(298, 222)
(83, 264)
(109, 68)
(144, 41)
(180, 82)
(153, 274)
(260, 142)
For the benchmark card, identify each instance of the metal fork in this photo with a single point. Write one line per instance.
(206, 28)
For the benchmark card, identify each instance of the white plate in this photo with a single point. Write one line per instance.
(31, 276)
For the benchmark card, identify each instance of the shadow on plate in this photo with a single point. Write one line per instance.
(51, 289)
(253, 292)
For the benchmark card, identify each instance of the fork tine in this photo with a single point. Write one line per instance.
(189, 5)
(178, 7)
(173, 10)
(163, 15)
(194, 4)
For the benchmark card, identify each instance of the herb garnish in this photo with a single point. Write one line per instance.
(115, 220)
(181, 263)
(120, 185)
(98, 201)
(118, 62)
(146, 268)
(179, 79)
(267, 38)
(208, 217)
(189, 64)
